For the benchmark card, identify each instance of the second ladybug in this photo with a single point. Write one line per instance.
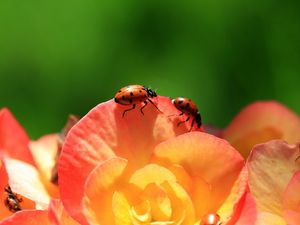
(189, 108)
(135, 94)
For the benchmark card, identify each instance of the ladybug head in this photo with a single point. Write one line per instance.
(151, 93)
(198, 119)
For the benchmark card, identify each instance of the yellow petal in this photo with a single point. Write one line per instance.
(151, 173)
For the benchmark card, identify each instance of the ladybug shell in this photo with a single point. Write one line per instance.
(211, 219)
(131, 94)
(185, 105)
(12, 204)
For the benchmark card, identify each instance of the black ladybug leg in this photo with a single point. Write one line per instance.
(144, 107)
(154, 105)
(133, 107)
(192, 124)
(176, 114)
(187, 119)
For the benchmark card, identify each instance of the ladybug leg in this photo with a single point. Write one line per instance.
(154, 105)
(187, 119)
(180, 114)
(133, 107)
(192, 124)
(144, 107)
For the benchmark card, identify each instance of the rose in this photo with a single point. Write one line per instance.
(141, 170)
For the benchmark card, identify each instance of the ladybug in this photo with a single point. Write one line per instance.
(211, 219)
(134, 94)
(12, 201)
(189, 108)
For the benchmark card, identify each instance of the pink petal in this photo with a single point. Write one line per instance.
(103, 134)
(27, 217)
(271, 166)
(260, 122)
(248, 214)
(58, 215)
(291, 201)
(13, 138)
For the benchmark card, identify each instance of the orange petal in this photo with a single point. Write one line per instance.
(271, 166)
(24, 180)
(260, 122)
(28, 217)
(203, 156)
(291, 201)
(100, 186)
(58, 215)
(103, 134)
(13, 138)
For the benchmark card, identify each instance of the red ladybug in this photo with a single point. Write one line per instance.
(134, 94)
(189, 108)
(211, 219)
(12, 201)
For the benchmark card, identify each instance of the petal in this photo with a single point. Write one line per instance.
(24, 180)
(44, 152)
(248, 214)
(260, 122)
(159, 202)
(4, 212)
(291, 200)
(203, 156)
(28, 217)
(182, 205)
(234, 203)
(13, 138)
(103, 134)
(100, 186)
(58, 215)
(121, 207)
(151, 173)
(265, 218)
(271, 166)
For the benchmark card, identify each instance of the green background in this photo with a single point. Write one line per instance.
(65, 56)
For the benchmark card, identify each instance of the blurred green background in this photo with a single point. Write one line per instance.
(61, 56)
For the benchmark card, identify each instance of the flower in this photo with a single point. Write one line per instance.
(274, 181)
(260, 122)
(143, 169)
